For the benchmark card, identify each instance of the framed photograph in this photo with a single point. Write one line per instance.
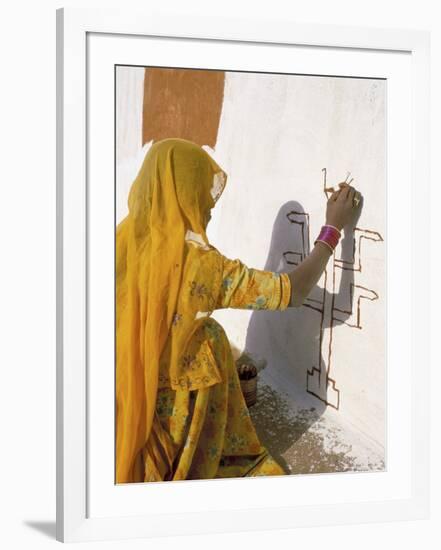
(242, 240)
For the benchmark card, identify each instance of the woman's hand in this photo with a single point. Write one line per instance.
(340, 209)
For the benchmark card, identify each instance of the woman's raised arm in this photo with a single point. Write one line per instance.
(339, 212)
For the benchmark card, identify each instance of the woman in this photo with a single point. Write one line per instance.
(180, 413)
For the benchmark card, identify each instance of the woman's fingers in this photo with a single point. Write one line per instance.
(333, 196)
(355, 196)
(350, 193)
(344, 192)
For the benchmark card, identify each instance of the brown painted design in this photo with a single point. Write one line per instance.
(318, 380)
(356, 249)
(183, 103)
(371, 295)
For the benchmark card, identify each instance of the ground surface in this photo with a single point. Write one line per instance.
(308, 440)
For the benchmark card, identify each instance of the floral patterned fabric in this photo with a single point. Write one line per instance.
(247, 288)
(210, 428)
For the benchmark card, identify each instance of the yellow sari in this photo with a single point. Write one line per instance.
(180, 413)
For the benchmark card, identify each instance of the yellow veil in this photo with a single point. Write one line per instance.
(161, 284)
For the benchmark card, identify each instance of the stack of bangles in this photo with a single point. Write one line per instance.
(329, 235)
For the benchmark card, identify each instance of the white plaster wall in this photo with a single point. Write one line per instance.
(276, 134)
(129, 151)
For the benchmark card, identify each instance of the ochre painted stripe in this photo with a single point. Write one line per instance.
(184, 103)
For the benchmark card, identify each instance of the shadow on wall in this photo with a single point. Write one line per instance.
(291, 341)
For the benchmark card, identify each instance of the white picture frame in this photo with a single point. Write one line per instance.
(406, 493)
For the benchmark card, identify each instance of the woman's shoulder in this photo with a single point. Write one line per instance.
(196, 246)
(205, 260)
(200, 252)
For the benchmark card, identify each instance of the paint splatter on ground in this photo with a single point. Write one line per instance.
(303, 441)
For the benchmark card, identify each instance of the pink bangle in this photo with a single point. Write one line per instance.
(329, 235)
(333, 227)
